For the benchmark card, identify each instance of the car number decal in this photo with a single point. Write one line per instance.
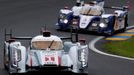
(50, 58)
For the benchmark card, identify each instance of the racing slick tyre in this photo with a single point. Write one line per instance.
(84, 71)
(126, 24)
(112, 30)
(5, 60)
(110, 33)
(123, 30)
(58, 28)
(9, 71)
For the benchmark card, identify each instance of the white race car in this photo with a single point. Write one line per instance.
(92, 17)
(45, 51)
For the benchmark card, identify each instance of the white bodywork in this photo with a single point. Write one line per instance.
(57, 54)
(88, 13)
(65, 11)
(120, 20)
(84, 21)
(76, 10)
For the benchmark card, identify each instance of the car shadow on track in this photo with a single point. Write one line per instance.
(49, 73)
(82, 32)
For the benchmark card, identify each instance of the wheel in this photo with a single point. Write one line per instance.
(123, 30)
(125, 26)
(10, 71)
(84, 71)
(112, 30)
(5, 60)
(110, 33)
(58, 28)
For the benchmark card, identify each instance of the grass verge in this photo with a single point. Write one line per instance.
(122, 48)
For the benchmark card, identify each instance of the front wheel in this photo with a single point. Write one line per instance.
(110, 33)
(84, 71)
(126, 24)
(5, 60)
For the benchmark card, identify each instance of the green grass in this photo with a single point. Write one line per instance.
(122, 48)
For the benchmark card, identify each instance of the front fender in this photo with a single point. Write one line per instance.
(66, 61)
(61, 22)
(73, 53)
(22, 61)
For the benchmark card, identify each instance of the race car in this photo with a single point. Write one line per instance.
(92, 17)
(45, 52)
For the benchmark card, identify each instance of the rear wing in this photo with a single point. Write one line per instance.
(124, 8)
(9, 36)
(73, 37)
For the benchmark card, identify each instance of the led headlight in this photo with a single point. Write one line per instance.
(83, 57)
(94, 24)
(65, 21)
(102, 25)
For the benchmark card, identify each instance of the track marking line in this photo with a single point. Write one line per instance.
(125, 34)
(92, 47)
(116, 36)
(116, 39)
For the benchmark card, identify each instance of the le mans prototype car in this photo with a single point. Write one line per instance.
(45, 52)
(92, 17)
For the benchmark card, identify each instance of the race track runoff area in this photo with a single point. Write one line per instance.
(122, 36)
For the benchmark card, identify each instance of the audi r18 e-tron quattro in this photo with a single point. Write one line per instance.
(45, 52)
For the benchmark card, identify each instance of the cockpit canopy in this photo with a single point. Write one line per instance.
(92, 10)
(44, 43)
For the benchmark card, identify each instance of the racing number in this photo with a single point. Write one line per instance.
(51, 58)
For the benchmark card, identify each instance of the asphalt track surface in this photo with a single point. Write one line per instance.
(26, 17)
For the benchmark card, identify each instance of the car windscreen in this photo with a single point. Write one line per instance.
(43, 45)
(91, 10)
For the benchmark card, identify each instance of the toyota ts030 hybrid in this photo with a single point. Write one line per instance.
(92, 17)
(45, 52)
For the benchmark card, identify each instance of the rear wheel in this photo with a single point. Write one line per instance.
(126, 24)
(123, 30)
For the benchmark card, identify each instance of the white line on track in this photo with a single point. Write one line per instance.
(92, 47)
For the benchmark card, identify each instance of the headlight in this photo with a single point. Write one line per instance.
(65, 21)
(83, 55)
(14, 58)
(94, 24)
(75, 22)
(102, 25)
(19, 55)
(106, 20)
(61, 16)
